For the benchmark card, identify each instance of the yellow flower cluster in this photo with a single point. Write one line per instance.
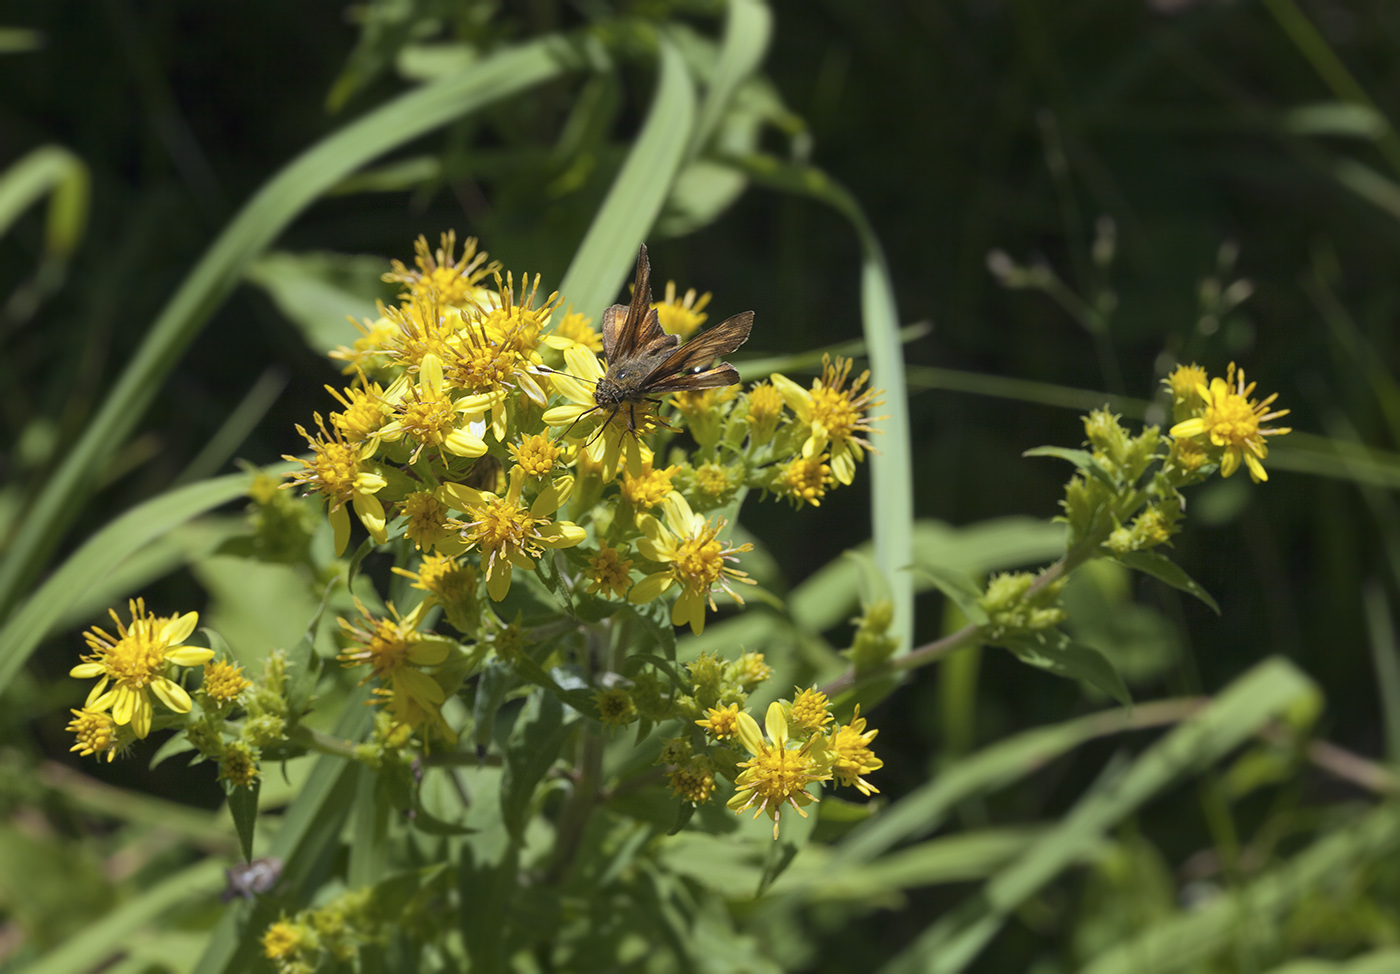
(470, 428)
(802, 745)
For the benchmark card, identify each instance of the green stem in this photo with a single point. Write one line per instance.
(314, 740)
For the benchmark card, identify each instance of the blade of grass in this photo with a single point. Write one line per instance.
(99, 941)
(1386, 658)
(286, 195)
(891, 469)
(1273, 689)
(1007, 762)
(48, 169)
(609, 248)
(102, 553)
(1256, 911)
(748, 27)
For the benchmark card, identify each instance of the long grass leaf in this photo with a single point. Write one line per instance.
(1270, 690)
(101, 554)
(891, 469)
(1007, 762)
(1190, 940)
(43, 171)
(748, 26)
(495, 77)
(609, 248)
(100, 940)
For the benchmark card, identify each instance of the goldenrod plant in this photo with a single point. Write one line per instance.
(500, 609)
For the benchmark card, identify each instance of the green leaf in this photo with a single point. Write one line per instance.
(1082, 459)
(891, 469)
(102, 554)
(243, 806)
(958, 587)
(496, 679)
(609, 249)
(104, 937)
(321, 293)
(1055, 652)
(1164, 569)
(531, 751)
(309, 829)
(1190, 941)
(46, 170)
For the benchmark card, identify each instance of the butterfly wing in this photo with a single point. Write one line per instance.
(635, 329)
(688, 367)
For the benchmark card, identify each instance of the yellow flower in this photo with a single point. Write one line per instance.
(712, 483)
(1233, 423)
(610, 572)
(749, 670)
(223, 681)
(778, 774)
(721, 722)
(536, 454)
(96, 733)
(694, 780)
(365, 411)
(681, 316)
(688, 544)
(648, 487)
(135, 662)
(850, 754)
(508, 533)
(804, 480)
(392, 648)
(374, 346)
(454, 280)
(429, 416)
(765, 402)
(574, 329)
(426, 519)
(809, 712)
(626, 425)
(336, 471)
(238, 766)
(1184, 382)
(834, 414)
(284, 940)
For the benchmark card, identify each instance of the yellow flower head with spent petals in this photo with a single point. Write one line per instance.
(1231, 425)
(452, 279)
(135, 664)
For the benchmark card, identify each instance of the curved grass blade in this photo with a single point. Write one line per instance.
(610, 246)
(305, 179)
(748, 27)
(99, 941)
(1190, 941)
(102, 553)
(48, 170)
(891, 470)
(1268, 691)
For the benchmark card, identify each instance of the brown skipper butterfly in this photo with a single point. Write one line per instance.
(644, 361)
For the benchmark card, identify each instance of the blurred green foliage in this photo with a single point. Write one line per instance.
(1225, 141)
